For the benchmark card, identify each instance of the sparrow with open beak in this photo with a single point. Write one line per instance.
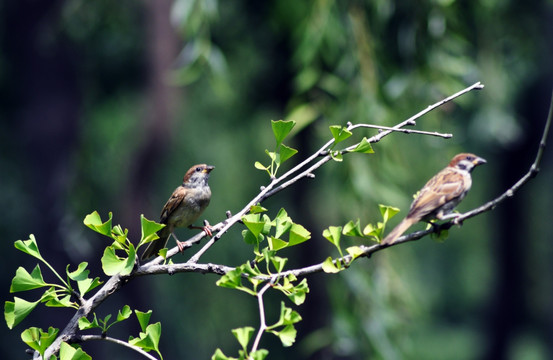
(183, 207)
(440, 195)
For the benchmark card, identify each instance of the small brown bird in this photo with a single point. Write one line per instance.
(183, 207)
(440, 195)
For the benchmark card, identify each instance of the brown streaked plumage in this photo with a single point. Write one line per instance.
(185, 205)
(440, 195)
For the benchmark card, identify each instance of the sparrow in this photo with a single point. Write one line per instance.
(185, 205)
(440, 195)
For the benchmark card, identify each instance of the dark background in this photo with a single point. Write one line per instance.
(104, 105)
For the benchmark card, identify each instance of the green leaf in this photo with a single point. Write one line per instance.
(364, 147)
(260, 166)
(24, 281)
(387, 212)
(282, 222)
(329, 266)
(279, 263)
(231, 279)
(88, 284)
(256, 209)
(17, 310)
(287, 335)
(249, 270)
(149, 339)
(218, 355)
(119, 235)
(243, 335)
(124, 313)
(250, 238)
(85, 324)
(286, 153)
(61, 302)
(336, 156)
(287, 316)
(339, 133)
(272, 155)
(371, 230)
(113, 264)
(143, 318)
(29, 247)
(149, 230)
(353, 229)
(260, 354)
(295, 293)
(253, 223)
(38, 339)
(68, 352)
(276, 244)
(49, 294)
(106, 319)
(333, 234)
(94, 222)
(298, 234)
(80, 274)
(281, 129)
(355, 252)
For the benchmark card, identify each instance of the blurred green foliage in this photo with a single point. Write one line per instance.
(484, 293)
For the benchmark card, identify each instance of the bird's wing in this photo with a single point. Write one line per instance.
(446, 186)
(172, 204)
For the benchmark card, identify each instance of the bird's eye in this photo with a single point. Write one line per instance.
(470, 158)
(198, 169)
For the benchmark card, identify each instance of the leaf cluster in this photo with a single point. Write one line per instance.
(266, 269)
(372, 232)
(118, 258)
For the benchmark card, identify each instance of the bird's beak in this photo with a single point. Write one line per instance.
(479, 161)
(208, 168)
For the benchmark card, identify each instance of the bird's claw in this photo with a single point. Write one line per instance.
(457, 220)
(207, 230)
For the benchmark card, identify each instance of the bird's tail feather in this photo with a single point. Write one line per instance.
(398, 231)
(158, 244)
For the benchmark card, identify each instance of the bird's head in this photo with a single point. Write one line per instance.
(466, 161)
(197, 175)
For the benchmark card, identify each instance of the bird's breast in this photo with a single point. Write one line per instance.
(193, 206)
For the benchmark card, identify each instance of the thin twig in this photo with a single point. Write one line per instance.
(407, 131)
(476, 86)
(262, 322)
(84, 338)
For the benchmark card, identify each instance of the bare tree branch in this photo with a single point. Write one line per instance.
(406, 131)
(262, 322)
